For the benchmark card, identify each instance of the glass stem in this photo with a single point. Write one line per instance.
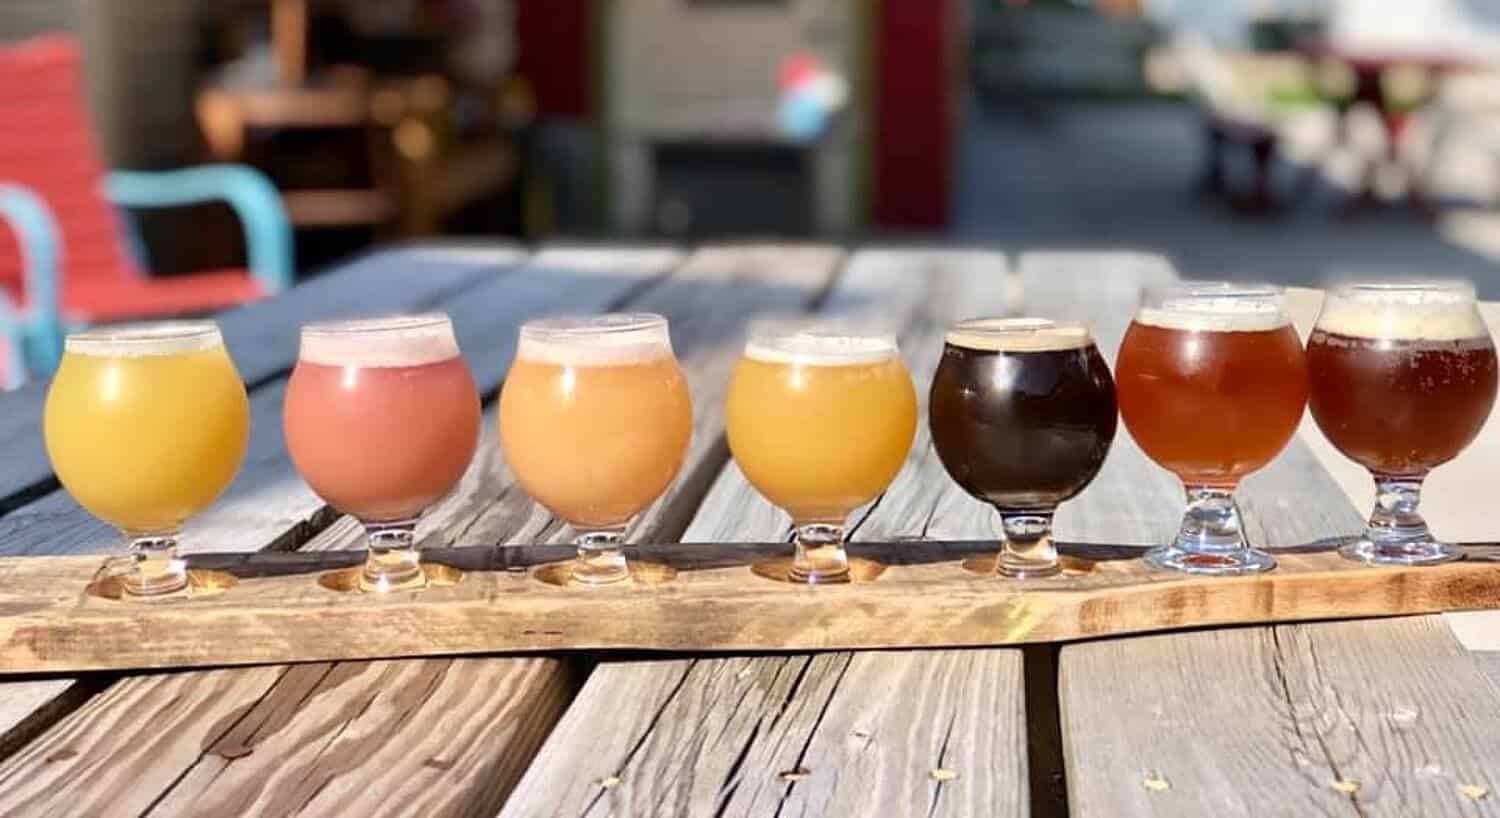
(601, 557)
(1395, 518)
(1027, 549)
(1212, 522)
(819, 554)
(393, 563)
(156, 569)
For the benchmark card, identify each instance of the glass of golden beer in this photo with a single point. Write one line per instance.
(146, 426)
(595, 420)
(820, 418)
(1211, 381)
(1403, 378)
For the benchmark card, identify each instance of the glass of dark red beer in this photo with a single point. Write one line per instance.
(1403, 378)
(1022, 412)
(1212, 382)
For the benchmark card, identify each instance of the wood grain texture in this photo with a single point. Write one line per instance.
(1294, 720)
(923, 599)
(833, 734)
(262, 337)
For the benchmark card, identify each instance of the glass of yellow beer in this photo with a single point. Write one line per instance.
(820, 418)
(595, 420)
(146, 426)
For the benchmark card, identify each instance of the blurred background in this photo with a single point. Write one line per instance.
(1289, 140)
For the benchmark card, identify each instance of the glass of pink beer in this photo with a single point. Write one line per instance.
(382, 419)
(595, 420)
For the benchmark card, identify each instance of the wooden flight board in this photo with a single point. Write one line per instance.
(64, 614)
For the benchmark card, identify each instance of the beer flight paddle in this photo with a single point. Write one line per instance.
(146, 425)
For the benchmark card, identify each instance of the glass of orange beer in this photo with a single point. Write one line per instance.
(820, 418)
(595, 420)
(1212, 381)
(381, 419)
(145, 426)
(1402, 380)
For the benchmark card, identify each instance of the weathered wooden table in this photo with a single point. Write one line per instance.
(1376, 717)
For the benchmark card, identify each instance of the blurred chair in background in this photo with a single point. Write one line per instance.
(65, 261)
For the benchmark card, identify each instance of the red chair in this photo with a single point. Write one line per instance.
(75, 267)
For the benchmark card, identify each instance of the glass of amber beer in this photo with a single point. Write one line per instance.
(1022, 412)
(820, 418)
(595, 420)
(1402, 379)
(147, 425)
(381, 419)
(1212, 382)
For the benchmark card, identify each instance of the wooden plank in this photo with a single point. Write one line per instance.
(1295, 719)
(485, 768)
(262, 337)
(935, 732)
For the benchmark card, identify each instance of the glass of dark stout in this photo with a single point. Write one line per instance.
(1403, 376)
(1022, 412)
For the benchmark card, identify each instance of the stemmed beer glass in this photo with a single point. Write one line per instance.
(595, 420)
(382, 420)
(1022, 412)
(1403, 378)
(146, 425)
(820, 418)
(1212, 382)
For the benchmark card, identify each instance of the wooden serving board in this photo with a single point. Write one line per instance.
(58, 614)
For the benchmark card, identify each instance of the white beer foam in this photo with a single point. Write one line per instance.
(600, 340)
(1413, 314)
(140, 340)
(1017, 335)
(1215, 314)
(401, 340)
(814, 348)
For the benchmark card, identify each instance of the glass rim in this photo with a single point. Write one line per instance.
(581, 325)
(146, 337)
(771, 328)
(1017, 334)
(1401, 286)
(375, 325)
(1216, 289)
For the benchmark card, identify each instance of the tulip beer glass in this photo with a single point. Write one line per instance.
(1022, 413)
(1212, 382)
(820, 419)
(1402, 379)
(382, 419)
(147, 425)
(595, 420)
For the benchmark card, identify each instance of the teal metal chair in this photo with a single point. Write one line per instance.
(65, 262)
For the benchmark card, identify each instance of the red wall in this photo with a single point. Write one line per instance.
(554, 54)
(915, 112)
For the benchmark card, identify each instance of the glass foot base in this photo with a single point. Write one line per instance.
(1412, 552)
(156, 578)
(592, 574)
(387, 583)
(1221, 563)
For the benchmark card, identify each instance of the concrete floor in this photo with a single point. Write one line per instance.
(1121, 175)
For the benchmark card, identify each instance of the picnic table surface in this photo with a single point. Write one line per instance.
(1382, 717)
